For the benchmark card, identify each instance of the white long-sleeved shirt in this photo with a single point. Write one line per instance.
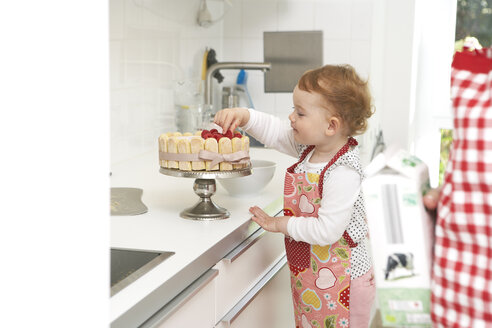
(340, 190)
(342, 205)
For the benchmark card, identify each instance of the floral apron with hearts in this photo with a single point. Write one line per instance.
(320, 275)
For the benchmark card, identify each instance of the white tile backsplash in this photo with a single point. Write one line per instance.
(283, 105)
(359, 53)
(261, 100)
(333, 17)
(133, 15)
(233, 20)
(155, 42)
(115, 64)
(257, 17)
(252, 50)
(152, 44)
(336, 51)
(361, 18)
(295, 16)
(232, 49)
(116, 23)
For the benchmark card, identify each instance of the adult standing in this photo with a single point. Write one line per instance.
(462, 269)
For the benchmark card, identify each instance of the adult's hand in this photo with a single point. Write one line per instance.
(431, 198)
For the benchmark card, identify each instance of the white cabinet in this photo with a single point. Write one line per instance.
(193, 307)
(249, 287)
(253, 285)
(267, 304)
(241, 269)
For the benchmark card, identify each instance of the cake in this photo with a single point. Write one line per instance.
(204, 151)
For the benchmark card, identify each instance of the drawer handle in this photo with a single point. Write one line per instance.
(229, 318)
(247, 243)
(180, 299)
(244, 246)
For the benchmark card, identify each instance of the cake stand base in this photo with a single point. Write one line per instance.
(205, 209)
(205, 187)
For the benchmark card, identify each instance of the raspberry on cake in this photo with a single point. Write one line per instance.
(204, 150)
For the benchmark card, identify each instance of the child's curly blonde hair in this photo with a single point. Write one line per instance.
(345, 91)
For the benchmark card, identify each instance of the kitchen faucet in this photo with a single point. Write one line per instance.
(228, 65)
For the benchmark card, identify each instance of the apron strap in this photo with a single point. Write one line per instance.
(351, 142)
(303, 156)
(349, 240)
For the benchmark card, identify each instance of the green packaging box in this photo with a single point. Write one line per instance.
(400, 237)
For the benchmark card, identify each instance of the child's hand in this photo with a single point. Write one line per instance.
(231, 118)
(272, 224)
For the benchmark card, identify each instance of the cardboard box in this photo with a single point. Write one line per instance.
(401, 237)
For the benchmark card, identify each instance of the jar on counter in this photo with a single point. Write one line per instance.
(188, 105)
(230, 98)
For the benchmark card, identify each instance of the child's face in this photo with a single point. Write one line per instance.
(309, 118)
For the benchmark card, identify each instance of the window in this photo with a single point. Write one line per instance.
(474, 18)
(446, 141)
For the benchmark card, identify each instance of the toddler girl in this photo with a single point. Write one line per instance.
(324, 224)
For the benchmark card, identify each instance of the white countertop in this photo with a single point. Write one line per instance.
(162, 229)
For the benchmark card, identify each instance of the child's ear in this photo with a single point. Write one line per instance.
(332, 126)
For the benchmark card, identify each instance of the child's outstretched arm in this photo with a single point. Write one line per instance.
(231, 118)
(269, 223)
(266, 128)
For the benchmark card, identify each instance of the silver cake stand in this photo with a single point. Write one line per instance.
(205, 187)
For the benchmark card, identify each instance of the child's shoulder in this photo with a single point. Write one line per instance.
(350, 159)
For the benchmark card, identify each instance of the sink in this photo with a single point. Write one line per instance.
(127, 265)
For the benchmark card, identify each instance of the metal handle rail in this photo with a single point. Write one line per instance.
(246, 244)
(229, 318)
(171, 307)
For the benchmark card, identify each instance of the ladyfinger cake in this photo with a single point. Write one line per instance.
(204, 151)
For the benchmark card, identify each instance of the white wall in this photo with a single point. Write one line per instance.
(411, 65)
(143, 31)
(434, 46)
(393, 67)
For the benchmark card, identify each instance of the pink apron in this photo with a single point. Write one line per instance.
(320, 275)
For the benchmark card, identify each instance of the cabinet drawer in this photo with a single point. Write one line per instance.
(193, 307)
(271, 307)
(241, 269)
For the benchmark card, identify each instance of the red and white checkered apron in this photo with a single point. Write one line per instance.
(320, 275)
(462, 270)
